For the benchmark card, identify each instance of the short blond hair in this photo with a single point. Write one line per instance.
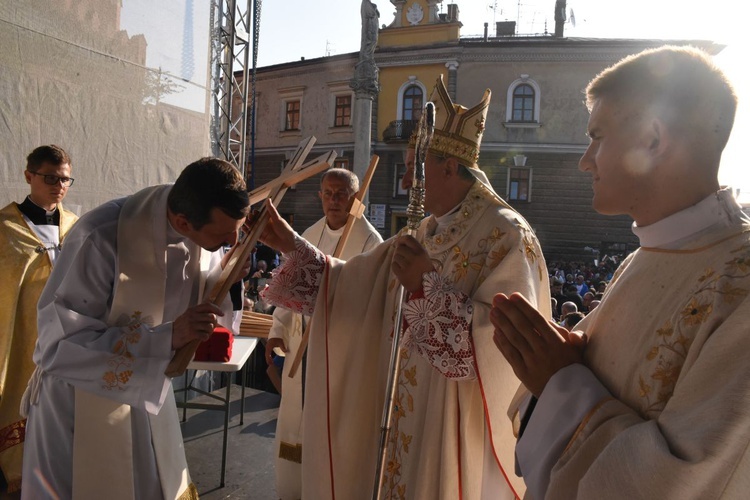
(680, 85)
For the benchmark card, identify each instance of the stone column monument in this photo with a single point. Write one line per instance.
(365, 86)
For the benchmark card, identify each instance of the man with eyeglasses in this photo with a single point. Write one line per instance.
(32, 233)
(338, 187)
(126, 293)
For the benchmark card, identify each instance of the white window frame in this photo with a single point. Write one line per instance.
(509, 123)
(400, 99)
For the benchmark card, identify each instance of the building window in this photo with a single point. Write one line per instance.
(292, 115)
(291, 101)
(341, 163)
(340, 112)
(522, 109)
(523, 103)
(343, 117)
(398, 178)
(519, 184)
(412, 100)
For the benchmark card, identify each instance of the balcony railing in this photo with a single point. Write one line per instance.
(399, 130)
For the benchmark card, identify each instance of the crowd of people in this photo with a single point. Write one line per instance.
(577, 289)
(623, 377)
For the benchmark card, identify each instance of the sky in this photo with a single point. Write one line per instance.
(292, 29)
(177, 39)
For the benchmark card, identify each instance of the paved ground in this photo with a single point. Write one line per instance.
(249, 470)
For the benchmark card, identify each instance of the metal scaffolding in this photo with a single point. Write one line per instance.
(230, 56)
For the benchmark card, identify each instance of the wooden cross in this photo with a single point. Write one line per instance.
(296, 171)
(355, 213)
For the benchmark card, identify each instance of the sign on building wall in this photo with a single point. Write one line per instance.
(377, 215)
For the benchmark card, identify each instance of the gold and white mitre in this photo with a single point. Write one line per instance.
(458, 130)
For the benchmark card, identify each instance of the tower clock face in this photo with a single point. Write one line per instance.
(414, 14)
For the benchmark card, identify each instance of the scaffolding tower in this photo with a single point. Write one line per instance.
(233, 23)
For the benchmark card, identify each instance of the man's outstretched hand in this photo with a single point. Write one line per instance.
(535, 347)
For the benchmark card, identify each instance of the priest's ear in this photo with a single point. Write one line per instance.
(451, 166)
(181, 224)
(659, 137)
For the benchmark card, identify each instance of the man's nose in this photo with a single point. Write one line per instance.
(586, 162)
(407, 180)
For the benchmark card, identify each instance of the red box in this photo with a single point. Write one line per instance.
(218, 347)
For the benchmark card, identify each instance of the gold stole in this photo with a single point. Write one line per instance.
(25, 272)
(104, 424)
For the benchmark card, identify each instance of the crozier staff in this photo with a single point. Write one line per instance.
(453, 385)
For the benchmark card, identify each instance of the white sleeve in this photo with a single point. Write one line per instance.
(567, 398)
(125, 364)
(295, 284)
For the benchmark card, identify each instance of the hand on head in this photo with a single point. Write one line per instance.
(535, 347)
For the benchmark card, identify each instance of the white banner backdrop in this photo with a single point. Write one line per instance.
(121, 85)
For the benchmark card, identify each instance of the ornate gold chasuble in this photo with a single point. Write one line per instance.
(25, 270)
(438, 446)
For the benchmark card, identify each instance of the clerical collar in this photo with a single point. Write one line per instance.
(717, 208)
(447, 217)
(38, 215)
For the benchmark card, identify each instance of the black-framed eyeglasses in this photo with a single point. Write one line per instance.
(53, 179)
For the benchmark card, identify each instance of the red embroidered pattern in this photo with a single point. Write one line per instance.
(12, 435)
(439, 327)
(294, 285)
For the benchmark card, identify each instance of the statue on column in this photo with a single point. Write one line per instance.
(365, 71)
(370, 17)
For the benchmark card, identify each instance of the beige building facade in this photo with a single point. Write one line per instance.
(535, 130)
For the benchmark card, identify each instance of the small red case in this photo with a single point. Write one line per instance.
(218, 347)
